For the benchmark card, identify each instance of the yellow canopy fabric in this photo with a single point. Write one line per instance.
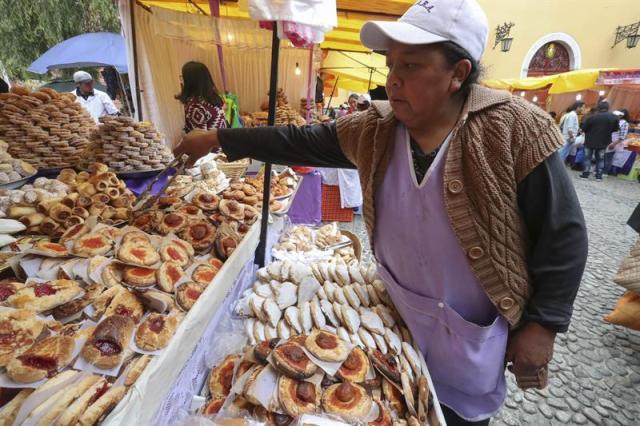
(352, 14)
(356, 70)
(572, 81)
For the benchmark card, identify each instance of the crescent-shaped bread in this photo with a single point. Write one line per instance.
(326, 346)
(298, 397)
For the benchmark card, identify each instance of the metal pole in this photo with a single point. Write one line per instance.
(309, 85)
(124, 91)
(214, 5)
(136, 78)
(273, 89)
(332, 92)
(370, 78)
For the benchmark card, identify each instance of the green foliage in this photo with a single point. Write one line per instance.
(28, 28)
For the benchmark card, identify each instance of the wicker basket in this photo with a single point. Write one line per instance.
(356, 243)
(235, 169)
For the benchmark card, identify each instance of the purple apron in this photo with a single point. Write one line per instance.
(426, 272)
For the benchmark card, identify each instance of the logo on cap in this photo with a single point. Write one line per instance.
(426, 4)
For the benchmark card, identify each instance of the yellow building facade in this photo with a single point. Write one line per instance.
(585, 28)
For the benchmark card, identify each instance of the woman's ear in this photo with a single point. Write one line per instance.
(461, 72)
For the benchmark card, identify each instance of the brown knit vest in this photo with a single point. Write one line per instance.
(499, 140)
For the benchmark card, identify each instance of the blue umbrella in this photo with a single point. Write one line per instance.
(85, 50)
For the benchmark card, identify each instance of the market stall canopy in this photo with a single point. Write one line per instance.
(573, 81)
(358, 72)
(85, 50)
(352, 14)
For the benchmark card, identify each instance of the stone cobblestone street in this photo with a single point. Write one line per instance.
(595, 375)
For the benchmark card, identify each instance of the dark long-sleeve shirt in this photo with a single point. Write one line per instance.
(548, 204)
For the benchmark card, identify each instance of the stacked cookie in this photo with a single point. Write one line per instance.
(45, 128)
(12, 169)
(127, 145)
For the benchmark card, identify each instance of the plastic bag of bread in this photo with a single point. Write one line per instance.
(627, 311)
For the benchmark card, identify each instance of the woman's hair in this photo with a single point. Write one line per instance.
(353, 96)
(454, 54)
(197, 83)
(575, 106)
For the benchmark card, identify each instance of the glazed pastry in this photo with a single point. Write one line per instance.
(326, 346)
(298, 397)
(220, 379)
(168, 275)
(94, 244)
(173, 252)
(106, 347)
(139, 277)
(290, 360)
(42, 360)
(204, 274)
(45, 296)
(156, 331)
(355, 368)
(172, 222)
(347, 400)
(206, 201)
(187, 294)
(142, 255)
(200, 234)
(19, 330)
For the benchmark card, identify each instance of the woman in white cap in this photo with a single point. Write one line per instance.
(95, 101)
(473, 220)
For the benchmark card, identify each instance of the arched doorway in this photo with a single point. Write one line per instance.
(566, 41)
(552, 58)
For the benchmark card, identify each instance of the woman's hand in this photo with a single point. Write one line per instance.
(530, 350)
(197, 144)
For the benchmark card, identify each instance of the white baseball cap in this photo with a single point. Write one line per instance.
(619, 113)
(362, 99)
(81, 76)
(433, 21)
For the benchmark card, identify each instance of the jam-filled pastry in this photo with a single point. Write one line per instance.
(156, 331)
(51, 249)
(356, 367)
(42, 360)
(20, 328)
(220, 379)
(204, 274)
(298, 397)
(187, 294)
(147, 221)
(200, 234)
(168, 275)
(42, 297)
(93, 244)
(108, 344)
(326, 346)
(290, 359)
(139, 277)
(136, 254)
(174, 252)
(206, 201)
(172, 222)
(347, 400)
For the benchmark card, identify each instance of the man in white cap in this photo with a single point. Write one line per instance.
(98, 103)
(474, 222)
(364, 102)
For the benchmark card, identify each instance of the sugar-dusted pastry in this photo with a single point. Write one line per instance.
(156, 331)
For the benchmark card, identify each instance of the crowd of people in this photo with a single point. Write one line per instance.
(593, 138)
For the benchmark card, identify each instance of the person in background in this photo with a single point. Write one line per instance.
(477, 229)
(617, 142)
(553, 115)
(203, 106)
(569, 127)
(98, 103)
(353, 103)
(598, 129)
(364, 102)
(4, 86)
